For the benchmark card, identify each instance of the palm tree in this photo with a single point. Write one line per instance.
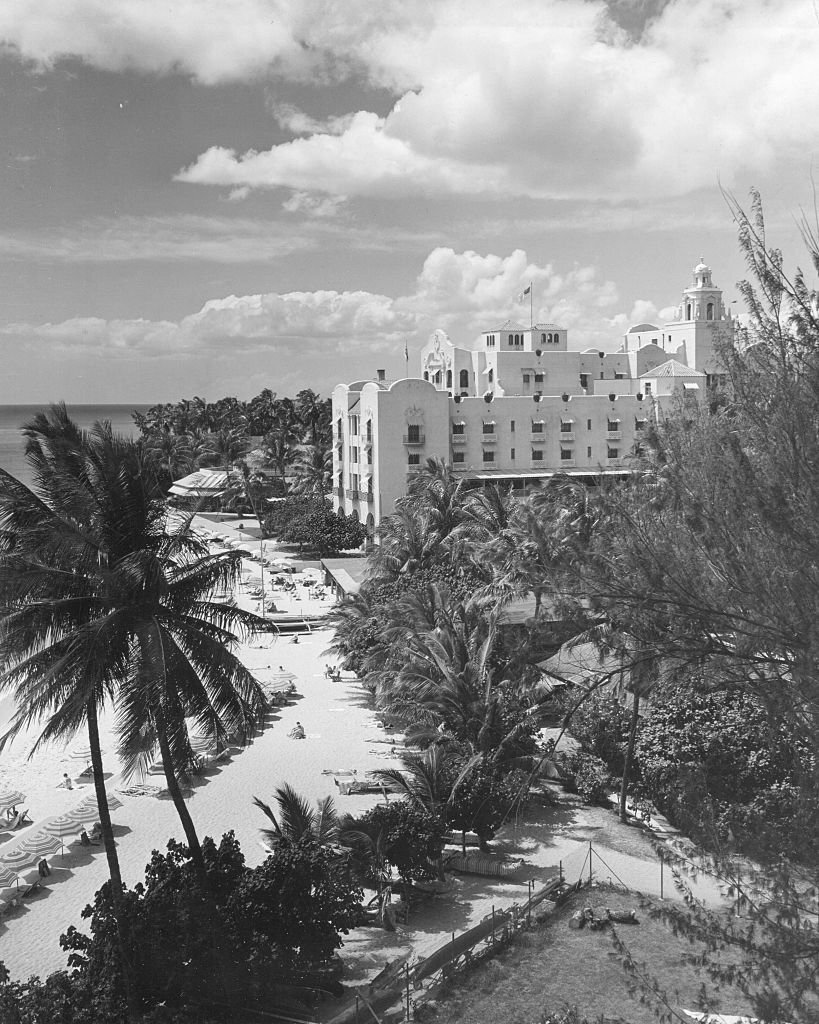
(297, 821)
(313, 469)
(227, 445)
(172, 451)
(283, 436)
(109, 598)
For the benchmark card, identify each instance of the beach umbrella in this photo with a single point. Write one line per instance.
(10, 798)
(41, 844)
(21, 858)
(72, 821)
(112, 800)
(8, 876)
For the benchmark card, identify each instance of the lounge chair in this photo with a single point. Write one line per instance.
(19, 820)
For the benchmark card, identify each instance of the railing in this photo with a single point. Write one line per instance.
(459, 438)
(567, 435)
(369, 497)
(614, 462)
(613, 435)
(566, 462)
(352, 492)
(414, 439)
(536, 436)
(489, 438)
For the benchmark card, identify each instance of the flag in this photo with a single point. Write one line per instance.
(406, 352)
(523, 294)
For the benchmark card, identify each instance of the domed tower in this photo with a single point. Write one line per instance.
(702, 319)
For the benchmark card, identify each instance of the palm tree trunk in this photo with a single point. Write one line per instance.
(179, 802)
(635, 715)
(132, 997)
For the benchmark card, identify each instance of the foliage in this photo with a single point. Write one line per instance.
(233, 945)
(715, 765)
(588, 776)
(600, 724)
(394, 835)
(311, 523)
(297, 903)
(481, 801)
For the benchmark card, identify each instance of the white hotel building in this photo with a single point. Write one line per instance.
(519, 407)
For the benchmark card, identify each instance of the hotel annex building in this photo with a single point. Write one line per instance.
(519, 407)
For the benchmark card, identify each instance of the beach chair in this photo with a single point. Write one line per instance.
(19, 820)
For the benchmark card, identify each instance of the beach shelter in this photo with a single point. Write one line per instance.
(10, 798)
(8, 877)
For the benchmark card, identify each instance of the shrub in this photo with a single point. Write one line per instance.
(588, 776)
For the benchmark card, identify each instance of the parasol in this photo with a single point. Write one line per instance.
(10, 798)
(112, 800)
(8, 877)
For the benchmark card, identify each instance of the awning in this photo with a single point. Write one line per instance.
(204, 483)
(691, 387)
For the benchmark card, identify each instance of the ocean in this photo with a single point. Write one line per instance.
(12, 417)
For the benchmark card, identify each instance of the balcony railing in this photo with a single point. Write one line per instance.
(459, 438)
(489, 438)
(566, 462)
(369, 496)
(613, 435)
(352, 492)
(538, 463)
(567, 435)
(614, 462)
(538, 436)
(411, 439)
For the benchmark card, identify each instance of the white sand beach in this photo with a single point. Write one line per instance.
(342, 734)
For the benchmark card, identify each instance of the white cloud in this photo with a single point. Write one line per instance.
(331, 335)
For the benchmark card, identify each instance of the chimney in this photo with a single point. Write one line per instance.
(381, 375)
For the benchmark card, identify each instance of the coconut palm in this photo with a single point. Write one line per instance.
(313, 469)
(108, 598)
(297, 821)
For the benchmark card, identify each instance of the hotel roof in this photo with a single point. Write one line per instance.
(671, 368)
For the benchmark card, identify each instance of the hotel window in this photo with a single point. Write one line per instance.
(464, 378)
(639, 424)
(588, 452)
(618, 375)
(537, 426)
(491, 375)
(543, 339)
(512, 454)
(588, 424)
(612, 425)
(511, 426)
(566, 454)
(538, 378)
(414, 459)
(537, 455)
(449, 378)
(527, 378)
(354, 424)
(458, 428)
(459, 457)
(414, 433)
(584, 380)
(566, 426)
(613, 453)
(648, 388)
(489, 427)
(511, 340)
(353, 453)
(488, 455)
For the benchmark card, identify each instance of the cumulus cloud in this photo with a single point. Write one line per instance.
(325, 336)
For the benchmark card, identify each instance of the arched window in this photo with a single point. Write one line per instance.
(491, 375)
(437, 378)
(464, 378)
(543, 339)
(449, 378)
(709, 311)
(688, 311)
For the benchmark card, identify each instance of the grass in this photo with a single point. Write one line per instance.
(554, 966)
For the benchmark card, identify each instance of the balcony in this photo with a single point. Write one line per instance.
(458, 438)
(614, 462)
(369, 497)
(489, 438)
(414, 439)
(567, 463)
(614, 435)
(339, 492)
(566, 435)
(367, 442)
(538, 437)
(538, 463)
(352, 492)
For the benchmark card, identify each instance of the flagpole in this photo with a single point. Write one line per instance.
(531, 307)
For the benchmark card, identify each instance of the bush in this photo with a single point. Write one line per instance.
(600, 725)
(587, 775)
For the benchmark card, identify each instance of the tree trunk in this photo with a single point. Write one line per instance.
(635, 715)
(179, 802)
(132, 997)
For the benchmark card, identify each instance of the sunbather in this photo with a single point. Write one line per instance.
(297, 732)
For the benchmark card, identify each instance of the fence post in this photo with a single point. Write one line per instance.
(493, 924)
(356, 1008)
(660, 852)
(561, 873)
(590, 862)
(529, 904)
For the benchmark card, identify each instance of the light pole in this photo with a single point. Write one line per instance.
(261, 566)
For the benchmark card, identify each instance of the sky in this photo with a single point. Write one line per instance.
(212, 197)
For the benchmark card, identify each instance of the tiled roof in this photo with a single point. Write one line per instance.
(672, 368)
(639, 328)
(507, 325)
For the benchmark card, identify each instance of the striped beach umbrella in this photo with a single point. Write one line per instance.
(8, 877)
(10, 798)
(91, 801)
(41, 844)
(21, 858)
(72, 821)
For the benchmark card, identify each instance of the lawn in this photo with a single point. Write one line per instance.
(553, 966)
